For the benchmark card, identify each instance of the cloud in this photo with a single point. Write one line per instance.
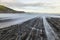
(29, 5)
(22, 3)
(6, 1)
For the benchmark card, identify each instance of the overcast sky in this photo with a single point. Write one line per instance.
(40, 6)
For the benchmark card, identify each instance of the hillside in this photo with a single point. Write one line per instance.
(4, 9)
